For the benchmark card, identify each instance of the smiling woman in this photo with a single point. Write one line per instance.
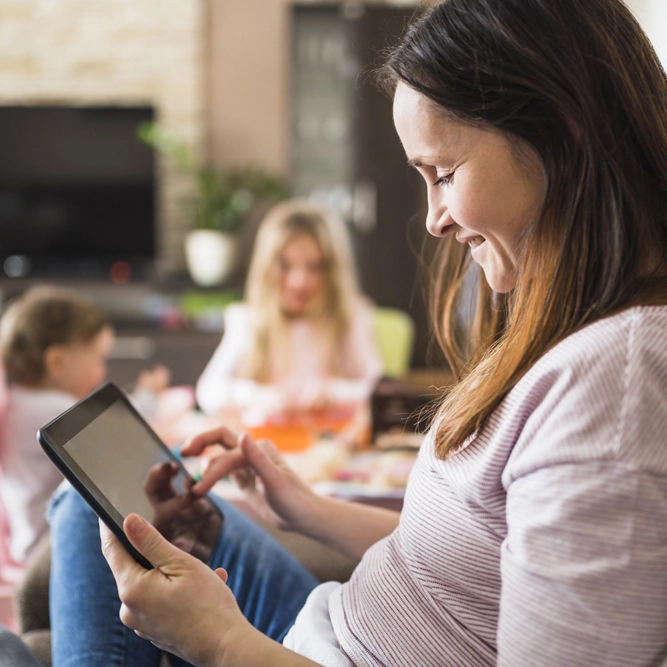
(479, 188)
(583, 133)
(534, 528)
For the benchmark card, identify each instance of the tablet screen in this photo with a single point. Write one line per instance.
(117, 454)
(132, 471)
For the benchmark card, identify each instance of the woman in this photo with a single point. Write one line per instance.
(304, 336)
(535, 521)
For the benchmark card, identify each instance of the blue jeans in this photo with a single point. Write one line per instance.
(269, 584)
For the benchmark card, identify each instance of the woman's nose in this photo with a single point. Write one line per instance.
(436, 221)
(436, 218)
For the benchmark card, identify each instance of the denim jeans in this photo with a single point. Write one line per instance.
(270, 586)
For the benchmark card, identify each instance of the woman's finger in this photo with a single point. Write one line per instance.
(146, 539)
(263, 457)
(221, 466)
(217, 436)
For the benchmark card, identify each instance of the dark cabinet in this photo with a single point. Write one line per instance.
(184, 352)
(346, 153)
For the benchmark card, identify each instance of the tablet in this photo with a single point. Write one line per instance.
(113, 458)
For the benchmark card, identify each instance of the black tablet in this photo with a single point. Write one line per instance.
(113, 458)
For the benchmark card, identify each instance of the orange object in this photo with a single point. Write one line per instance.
(296, 431)
(286, 438)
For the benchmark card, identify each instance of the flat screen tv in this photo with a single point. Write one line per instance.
(77, 188)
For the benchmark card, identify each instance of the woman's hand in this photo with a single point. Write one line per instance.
(181, 606)
(271, 487)
(282, 499)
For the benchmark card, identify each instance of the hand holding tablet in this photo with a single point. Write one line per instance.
(118, 464)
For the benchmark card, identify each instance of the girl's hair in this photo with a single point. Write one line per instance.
(332, 314)
(40, 318)
(579, 82)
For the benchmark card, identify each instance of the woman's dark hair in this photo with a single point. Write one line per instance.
(579, 82)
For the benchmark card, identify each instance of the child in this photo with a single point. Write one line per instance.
(304, 336)
(54, 346)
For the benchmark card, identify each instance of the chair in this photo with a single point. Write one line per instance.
(395, 337)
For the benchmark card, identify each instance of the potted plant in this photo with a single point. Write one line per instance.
(218, 205)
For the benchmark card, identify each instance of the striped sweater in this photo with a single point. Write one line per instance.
(544, 540)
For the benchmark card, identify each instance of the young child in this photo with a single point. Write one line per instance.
(304, 336)
(54, 346)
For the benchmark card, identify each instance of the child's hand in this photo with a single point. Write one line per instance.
(155, 380)
(309, 395)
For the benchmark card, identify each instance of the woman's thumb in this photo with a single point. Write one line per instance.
(259, 455)
(148, 542)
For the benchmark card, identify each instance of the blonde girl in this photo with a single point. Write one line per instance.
(304, 335)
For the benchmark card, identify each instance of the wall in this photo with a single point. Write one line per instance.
(248, 83)
(249, 77)
(652, 14)
(249, 110)
(114, 52)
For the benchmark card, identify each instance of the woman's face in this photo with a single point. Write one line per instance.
(479, 189)
(301, 274)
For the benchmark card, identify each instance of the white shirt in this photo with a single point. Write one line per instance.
(28, 477)
(220, 385)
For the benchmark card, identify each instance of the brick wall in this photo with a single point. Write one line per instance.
(114, 52)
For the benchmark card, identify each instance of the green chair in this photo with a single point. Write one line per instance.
(395, 336)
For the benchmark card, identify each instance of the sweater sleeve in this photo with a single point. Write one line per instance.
(583, 574)
(583, 564)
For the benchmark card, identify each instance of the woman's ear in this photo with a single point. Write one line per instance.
(54, 360)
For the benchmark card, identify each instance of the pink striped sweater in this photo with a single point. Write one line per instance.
(544, 540)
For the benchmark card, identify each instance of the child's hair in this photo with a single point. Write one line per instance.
(40, 318)
(334, 309)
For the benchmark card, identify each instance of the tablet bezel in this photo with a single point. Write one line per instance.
(56, 434)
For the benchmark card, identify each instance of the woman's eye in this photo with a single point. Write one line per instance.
(444, 180)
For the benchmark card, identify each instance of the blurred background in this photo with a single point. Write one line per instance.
(271, 98)
(240, 103)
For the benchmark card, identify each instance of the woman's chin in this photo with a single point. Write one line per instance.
(500, 281)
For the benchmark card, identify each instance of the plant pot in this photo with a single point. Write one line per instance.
(210, 256)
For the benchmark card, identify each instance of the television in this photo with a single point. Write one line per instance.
(77, 189)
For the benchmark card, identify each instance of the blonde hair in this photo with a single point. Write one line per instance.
(334, 309)
(40, 318)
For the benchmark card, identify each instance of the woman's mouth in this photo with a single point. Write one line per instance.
(471, 241)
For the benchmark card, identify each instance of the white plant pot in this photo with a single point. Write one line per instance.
(210, 256)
